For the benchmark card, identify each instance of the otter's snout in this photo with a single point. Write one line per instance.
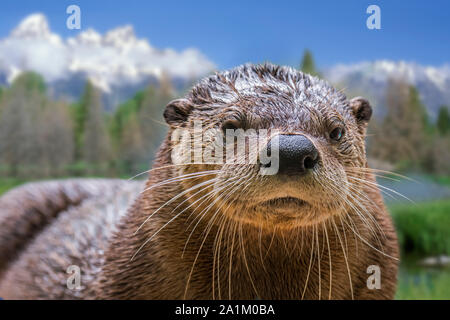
(296, 154)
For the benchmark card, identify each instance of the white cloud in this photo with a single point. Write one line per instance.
(371, 78)
(381, 70)
(115, 58)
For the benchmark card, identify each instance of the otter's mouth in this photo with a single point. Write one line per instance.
(285, 202)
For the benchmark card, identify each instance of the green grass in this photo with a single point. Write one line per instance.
(444, 180)
(424, 285)
(423, 228)
(8, 183)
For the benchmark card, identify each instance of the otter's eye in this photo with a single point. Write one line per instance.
(230, 124)
(337, 134)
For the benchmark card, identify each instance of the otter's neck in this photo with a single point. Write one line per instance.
(182, 256)
(225, 260)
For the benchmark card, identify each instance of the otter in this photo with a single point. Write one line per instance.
(316, 229)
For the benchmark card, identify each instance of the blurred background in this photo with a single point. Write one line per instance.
(89, 101)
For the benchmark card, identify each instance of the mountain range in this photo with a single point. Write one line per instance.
(371, 80)
(119, 64)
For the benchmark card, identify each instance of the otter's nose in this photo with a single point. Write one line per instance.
(297, 154)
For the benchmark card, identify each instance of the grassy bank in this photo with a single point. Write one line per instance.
(424, 285)
(423, 228)
(443, 180)
(8, 183)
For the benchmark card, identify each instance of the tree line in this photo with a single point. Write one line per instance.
(40, 137)
(405, 139)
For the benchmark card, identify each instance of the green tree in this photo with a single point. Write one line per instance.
(19, 139)
(137, 126)
(1, 101)
(95, 139)
(30, 81)
(443, 120)
(121, 116)
(35, 133)
(307, 64)
(401, 138)
(439, 156)
(419, 108)
(55, 132)
(151, 118)
(80, 114)
(132, 148)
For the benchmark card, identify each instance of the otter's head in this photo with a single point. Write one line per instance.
(304, 144)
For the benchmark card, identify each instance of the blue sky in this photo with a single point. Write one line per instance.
(234, 32)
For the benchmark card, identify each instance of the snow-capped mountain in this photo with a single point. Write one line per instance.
(117, 62)
(120, 64)
(371, 79)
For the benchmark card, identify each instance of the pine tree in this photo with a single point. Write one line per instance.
(401, 138)
(443, 120)
(95, 142)
(439, 158)
(80, 111)
(1, 100)
(121, 116)
(150, 116)
(137, 126)
(30, 81)
(307, 65)
(55, 132)
(419, 108)
(132, 147)
(19, 139)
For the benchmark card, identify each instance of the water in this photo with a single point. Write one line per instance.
(415, 280)
(420, 282)
(421, 189)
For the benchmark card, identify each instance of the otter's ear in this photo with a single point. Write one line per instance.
(361, 110)
(177, 111)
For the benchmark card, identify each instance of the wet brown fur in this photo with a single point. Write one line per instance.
(236, 260)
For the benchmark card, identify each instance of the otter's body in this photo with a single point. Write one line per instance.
(46, 227)
(277, 262)
(287, 236)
